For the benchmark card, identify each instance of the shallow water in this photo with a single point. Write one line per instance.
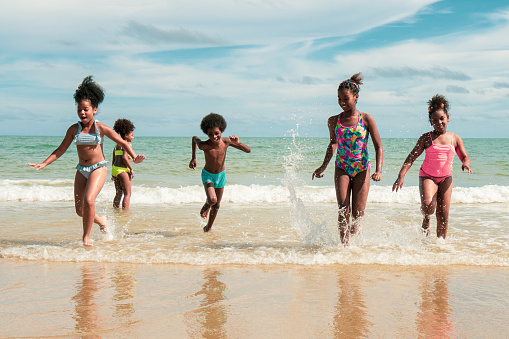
(272, 213)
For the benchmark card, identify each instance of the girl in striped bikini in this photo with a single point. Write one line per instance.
(349, 133)
(435, 175)
(88, 135)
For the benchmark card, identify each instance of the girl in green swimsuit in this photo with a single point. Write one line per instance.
(121, 170)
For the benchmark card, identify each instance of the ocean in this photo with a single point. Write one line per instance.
(272, 212)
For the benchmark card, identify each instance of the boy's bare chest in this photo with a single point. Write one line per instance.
(217, 153)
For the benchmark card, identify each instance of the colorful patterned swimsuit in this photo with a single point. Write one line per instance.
(352, 154)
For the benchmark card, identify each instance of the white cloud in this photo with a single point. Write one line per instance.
(264, 84)
(95, 25)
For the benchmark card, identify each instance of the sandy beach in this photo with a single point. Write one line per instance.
(108, 300)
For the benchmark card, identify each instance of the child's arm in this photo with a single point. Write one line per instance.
(69, 136)
(331, 148)
(377, 143)
(195, 141)
(127, 163)
(462, 154)
(234, 142)
(414, 154)
(110, 133)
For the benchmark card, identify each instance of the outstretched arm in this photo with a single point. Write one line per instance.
(194, 143)
(377, 143)
(69, 136)
(462, 154)
(235, 142)
(110, 133)
(414, 154)
(331, 148)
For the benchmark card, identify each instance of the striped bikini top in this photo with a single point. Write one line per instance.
(88, 138)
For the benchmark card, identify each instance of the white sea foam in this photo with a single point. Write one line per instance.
(62, 190)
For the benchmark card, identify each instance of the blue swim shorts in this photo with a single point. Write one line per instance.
(218, 180)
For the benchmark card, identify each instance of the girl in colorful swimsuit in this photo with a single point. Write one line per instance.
(435, 175)
(121, 170)
(88, 135)
(349, 133)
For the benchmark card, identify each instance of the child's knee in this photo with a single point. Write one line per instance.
(428, 206)
(212, 201)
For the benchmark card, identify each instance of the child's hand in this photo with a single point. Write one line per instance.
(138, 159)
(234, 139)
(38, 166)
(318, 173)
(466, 167)
(398, 184)
(376, 176)
(193, 163)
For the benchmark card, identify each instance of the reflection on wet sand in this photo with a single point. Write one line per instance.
(350, 318)
(86, 310)
(212, 313)
(124, 282)
(434, 319)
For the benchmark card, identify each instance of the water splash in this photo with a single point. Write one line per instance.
(313, 230)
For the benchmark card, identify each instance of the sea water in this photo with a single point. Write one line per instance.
(271, 213)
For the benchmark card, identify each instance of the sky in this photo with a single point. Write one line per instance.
(270, 67)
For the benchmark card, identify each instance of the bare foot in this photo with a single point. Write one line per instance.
(207, 228)
(101, 221)
(87, 242)
(204, 212)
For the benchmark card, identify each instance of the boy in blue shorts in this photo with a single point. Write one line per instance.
(214, 174)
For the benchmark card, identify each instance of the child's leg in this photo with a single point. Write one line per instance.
(343, 190)
(443, 204)
(125, 180)
(85, 193)
(428, 192)
(360, 190)
(118, 192)
(211, 199)
(214, 209)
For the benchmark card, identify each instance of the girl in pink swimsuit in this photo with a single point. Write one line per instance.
(435, 175)
(349, 133)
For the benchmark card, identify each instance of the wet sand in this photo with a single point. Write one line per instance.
(111, 300)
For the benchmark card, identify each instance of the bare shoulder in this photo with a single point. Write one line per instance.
(368, 118)
(102, 126)
(424, 140)
(73, 129)
(333, 120)
(456, 139)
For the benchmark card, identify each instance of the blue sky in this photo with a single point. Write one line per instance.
(268, 66)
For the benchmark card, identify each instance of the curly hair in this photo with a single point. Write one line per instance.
(89, 90)
(352, 84)
(213, 120)
(123, 127)
(437, 102)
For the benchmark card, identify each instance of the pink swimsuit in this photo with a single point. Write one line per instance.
(437, 164)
